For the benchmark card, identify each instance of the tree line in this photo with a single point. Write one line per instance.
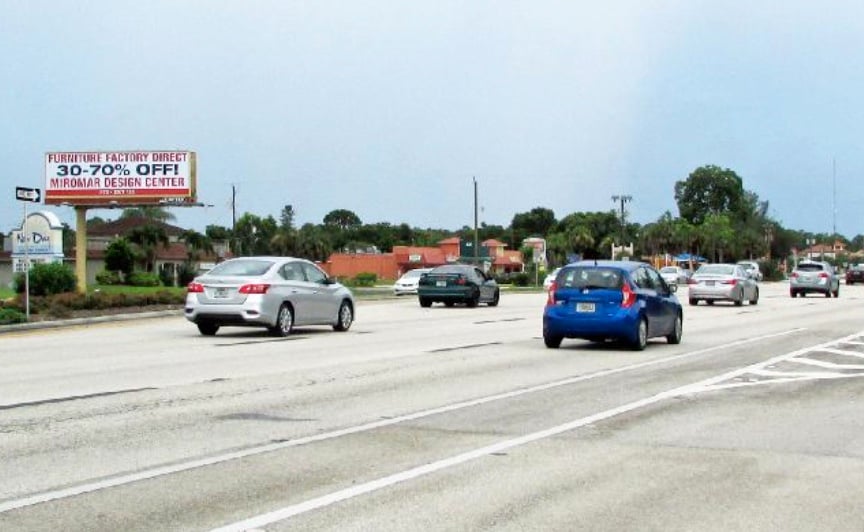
(717, 218)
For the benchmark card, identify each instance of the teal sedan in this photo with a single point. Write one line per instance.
(457, 283)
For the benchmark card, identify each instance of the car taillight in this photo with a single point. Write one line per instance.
(460, 280)
(823, 275)
(691, 280)
(195, 288)
(628, 296)
(794, 275)
(550, 298)
(254, 288)
(733, 282)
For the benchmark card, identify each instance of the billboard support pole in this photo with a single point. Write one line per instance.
(81, 248)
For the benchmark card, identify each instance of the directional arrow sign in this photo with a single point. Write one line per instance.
(28, 194)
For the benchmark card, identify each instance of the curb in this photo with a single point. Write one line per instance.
(57, 324)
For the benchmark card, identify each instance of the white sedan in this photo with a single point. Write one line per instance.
(407, 284)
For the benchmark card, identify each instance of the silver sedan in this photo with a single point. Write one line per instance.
(273, 292)
(722, 282)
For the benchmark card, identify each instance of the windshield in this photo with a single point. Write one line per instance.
(669, 269)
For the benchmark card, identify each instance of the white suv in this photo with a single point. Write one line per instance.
(814, 276)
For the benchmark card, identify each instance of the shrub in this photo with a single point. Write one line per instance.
(47, 279)
(119, 256)
(9, 316)
(520, 279)
(143, 279)
(365, 279)
(186, 273)
(166, 277)
(109, 277)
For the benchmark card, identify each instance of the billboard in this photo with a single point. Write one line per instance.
(120, 177)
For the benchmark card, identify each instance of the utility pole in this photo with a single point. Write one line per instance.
(476, 231)
(623, 198)
(233, 220)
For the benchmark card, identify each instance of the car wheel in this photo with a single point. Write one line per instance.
(755, 299)
(345, 317)
(474, 300)
(552, 341)
(828, 293)
(677, 330)
(793, 293)
(694, 302)
(448, 303)
(709, 301)
(837, 291)
(284, 321)
(495, 298)
(425, 302)
(207, 329)
(641, 340)
(740, 299)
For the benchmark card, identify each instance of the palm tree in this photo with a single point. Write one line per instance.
(148, 237)
(196, 244)
(148, 212)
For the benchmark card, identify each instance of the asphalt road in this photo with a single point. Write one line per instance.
(440, 419)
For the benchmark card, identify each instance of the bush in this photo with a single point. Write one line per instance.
(9, 316)
(186, 273)
(521, 279)
(365, 279)
(109, 277)
(143, 279)
(119, 256)
(47, 279)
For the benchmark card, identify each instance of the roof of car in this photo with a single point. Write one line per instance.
(627, 265)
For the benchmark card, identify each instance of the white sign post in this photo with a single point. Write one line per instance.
(26, 195)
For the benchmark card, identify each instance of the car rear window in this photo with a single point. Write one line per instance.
(248, 267)
(716, 269)
(588, 277)
(810, 267)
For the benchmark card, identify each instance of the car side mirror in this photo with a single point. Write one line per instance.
(673, 288)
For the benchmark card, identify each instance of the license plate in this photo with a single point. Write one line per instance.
(220, 293)
(584, 307)
(709, 283)
(440, 283)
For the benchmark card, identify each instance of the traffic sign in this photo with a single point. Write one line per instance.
(28, 194)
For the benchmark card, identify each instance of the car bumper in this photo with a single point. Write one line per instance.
(714, 293)
(567, 323)
(448, 294)
(405, 290)
(803, 288)
(251, 312)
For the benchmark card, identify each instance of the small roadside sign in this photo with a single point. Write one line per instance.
(28, 194)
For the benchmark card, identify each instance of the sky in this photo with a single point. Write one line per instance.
(392, 108)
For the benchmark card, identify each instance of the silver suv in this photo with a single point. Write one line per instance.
(814, 276)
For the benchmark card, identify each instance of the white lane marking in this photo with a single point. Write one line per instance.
(801, 374)
(826, 365)
(252, 451)
(410, 474)
(844, 352)
(716, 382)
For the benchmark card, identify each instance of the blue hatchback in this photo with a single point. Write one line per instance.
(611, 300)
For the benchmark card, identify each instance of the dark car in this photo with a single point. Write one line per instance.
(855, 274)
(619, 300)
(457, 283)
